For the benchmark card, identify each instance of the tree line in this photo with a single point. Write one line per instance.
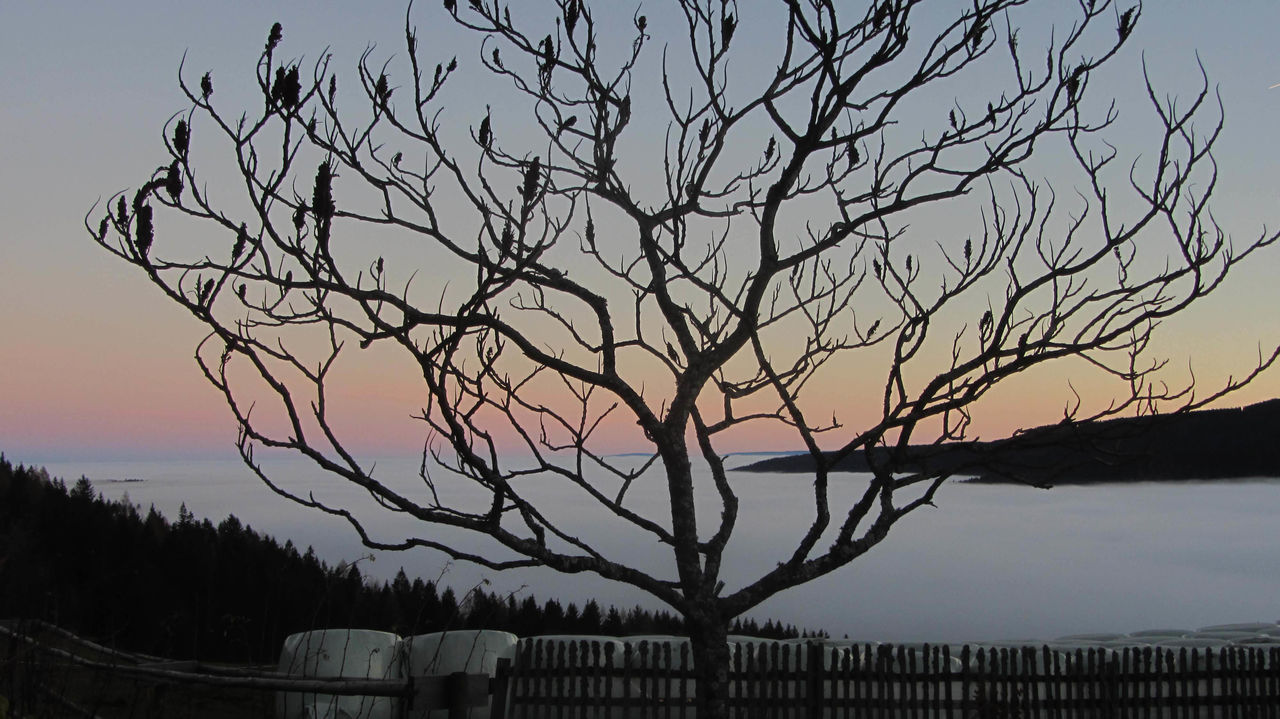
(188, 588)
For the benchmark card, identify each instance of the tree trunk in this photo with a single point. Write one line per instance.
(709, 640)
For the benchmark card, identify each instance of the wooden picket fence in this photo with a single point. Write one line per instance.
(613, 680)
(588, 679)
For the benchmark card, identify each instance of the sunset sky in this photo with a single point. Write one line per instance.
(95, 364)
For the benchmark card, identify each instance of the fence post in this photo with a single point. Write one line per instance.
(455, 694)
(813, 678)
(501, 682)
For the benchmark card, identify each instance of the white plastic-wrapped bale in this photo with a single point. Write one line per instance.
(1262, 641)
(1229, 635)
(847, 664)
(921, 653)
(1191, 642)
(844, 653)
(1029, 655)
(656, 655)
(1013, 643)
(1267, 646)
(1255, 627)
(475, 651)
(957, 654)
(1198, 653)
(658, 650)
(1074, 649)
(1157, 634)
(1081, 638)
(571, 667)
(768, 667)
(758, 653)
(842, 659)
(1072, 645)
(574, 650)
(347, 653)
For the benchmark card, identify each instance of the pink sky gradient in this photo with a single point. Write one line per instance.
(93, 363)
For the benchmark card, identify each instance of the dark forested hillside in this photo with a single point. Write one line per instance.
(1209, 444)
(189, 589)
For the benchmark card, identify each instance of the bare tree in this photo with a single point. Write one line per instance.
(644, 237)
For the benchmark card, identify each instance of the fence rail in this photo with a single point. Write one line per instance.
(617, 680)
(84, 679)
(811, 681)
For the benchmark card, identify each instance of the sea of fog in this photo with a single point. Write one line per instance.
(989, 562)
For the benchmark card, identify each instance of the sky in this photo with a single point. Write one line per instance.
(95, 364)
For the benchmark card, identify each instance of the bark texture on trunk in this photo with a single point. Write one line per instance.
(709, 639)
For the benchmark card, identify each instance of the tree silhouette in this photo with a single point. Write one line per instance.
(649, 238)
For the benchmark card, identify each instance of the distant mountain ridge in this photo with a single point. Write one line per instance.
(1235, 443)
